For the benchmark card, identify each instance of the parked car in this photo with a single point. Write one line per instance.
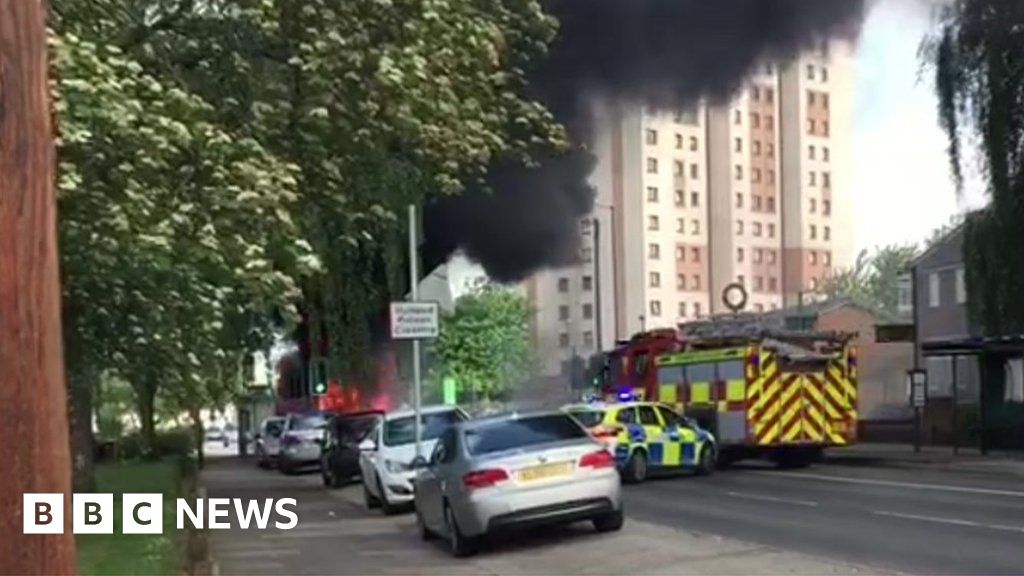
(339, 452)
(387, 452)
(217, 435)
(300, 441)
(268, 441)
(515, 472)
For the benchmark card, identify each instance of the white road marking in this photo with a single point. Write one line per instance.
(869, 481)
(953, 521)
(772, 499)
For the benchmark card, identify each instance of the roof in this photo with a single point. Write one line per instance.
(432, 409)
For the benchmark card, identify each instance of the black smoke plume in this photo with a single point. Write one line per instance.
(664, 53)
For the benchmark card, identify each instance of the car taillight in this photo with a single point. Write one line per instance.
(290, 440)
(599, 459)
(484, 478)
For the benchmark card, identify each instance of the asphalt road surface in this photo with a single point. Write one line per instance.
(911, 520)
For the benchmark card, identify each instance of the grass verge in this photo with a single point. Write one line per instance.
(148, 554)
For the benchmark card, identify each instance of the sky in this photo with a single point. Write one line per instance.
(901, 174)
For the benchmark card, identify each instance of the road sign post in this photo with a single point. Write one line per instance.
(917, 385)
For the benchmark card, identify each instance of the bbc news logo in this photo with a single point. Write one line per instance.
(43, 513)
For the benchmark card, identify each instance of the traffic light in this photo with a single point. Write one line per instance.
(319, 379)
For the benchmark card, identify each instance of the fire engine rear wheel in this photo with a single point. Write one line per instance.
(636, 468)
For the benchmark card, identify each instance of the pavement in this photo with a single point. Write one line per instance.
(963, 459)
(337, 535)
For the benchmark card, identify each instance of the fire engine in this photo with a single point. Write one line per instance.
(764, 392)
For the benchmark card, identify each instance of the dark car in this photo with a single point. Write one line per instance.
(339, 454)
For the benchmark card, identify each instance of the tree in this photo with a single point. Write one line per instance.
(873, 281)
(485, 342)
(978, 58)
(32, 394)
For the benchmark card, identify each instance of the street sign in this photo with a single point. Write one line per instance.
(414, 320)
(918, 381)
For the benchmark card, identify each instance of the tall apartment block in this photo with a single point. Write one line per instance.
(754, 191)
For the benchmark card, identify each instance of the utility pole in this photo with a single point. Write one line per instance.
(414, 295)
(33, 398)
(597, 283)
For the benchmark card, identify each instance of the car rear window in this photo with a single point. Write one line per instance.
(403, 430)
(588, 418)
(522, 433)
(306, 423)
(354, 429)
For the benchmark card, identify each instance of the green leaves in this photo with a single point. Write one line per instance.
(873, 281)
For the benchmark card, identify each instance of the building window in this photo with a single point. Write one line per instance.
(758, 283)
(741, 280)
(771, 150)
(826, 258)
(680, 226)
(813, 178)
(694, 171)
(757, 147)
(652, 137)
(588, 283)
(688, 116)
(755, 120)
(694, 254)
(934, 298)
(824, 97)
(563, 312)
(758, 255)
(826, 180)
(810, 97)
(771, 254)
(756, 229)
(814, 232)
(826, 207)
(812, 151)
(563, 285)
(771, 228)
(755, 94)
(588, 339)
(693, 144)
(824, 153)
(813, 205)
(587, 254)
(696, 309)
(773, 284)
(737, 117)
(769, 122)
(654, 279)
(755, 175)
(738, 172)
(771, 204)
(811, 126)
(695, 227)
(652, 165)
(824, 75)
(737, 144)
(679, 141)
(739, 254)
(739, 227)
(680, 254)
(812, 258)
(680, 198)
(828, 233)
(694, 199)
(681, 282)
(755, 201)
(771, 176)
(810, 71)
(588, 311)
(585, 225)
(654, 251)
(695, 284)
(682, 309)
(563, 340)
(655, 307)
(652, 194)
(824, 128)
(961, 286)
(769, 95)
(653, 223)
(739, 200)
(813, 284)
(678, 168)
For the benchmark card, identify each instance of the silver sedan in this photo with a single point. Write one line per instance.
(514, 472)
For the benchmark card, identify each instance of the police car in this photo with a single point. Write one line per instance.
(647, 437)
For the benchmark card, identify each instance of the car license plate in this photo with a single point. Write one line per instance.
(534, 473)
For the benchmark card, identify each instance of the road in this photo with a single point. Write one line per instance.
(910, 520)
(751, 519)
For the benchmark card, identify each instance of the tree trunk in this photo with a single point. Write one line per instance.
(83, 445)
(197, 434)
(146, 395)
(33, 400)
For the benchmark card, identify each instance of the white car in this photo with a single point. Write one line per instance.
(387, 452)
(268, 441)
